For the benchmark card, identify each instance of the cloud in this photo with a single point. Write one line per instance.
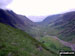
(41, 7)
(4, 3)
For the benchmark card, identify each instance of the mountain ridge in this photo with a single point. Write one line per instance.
(63, 24)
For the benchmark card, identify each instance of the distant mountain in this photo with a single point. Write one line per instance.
(61, 25)
(67, 26)
(14, 42)
(18, 21)
(46, 27)
(50, 19)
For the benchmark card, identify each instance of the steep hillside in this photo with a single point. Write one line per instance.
(67, 26)
(53, 43)
(46, 27)
(50, 19)
(18, 21)
(14, 42)
(61, 25)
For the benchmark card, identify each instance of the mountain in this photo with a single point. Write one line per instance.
(14, 39)
(14, 42)
(50, 19)
(67, 26)
(18, 21)
(46, 26)
(61, 25)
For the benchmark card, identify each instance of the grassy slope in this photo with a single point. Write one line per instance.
(54, 44)
(14, 42)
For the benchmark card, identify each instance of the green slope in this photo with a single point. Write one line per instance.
(54, 44)
(14, 42)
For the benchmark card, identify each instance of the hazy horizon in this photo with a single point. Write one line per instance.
(38, 7)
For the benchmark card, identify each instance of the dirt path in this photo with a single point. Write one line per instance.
(72, 46)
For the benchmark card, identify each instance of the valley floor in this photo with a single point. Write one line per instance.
(72, 46)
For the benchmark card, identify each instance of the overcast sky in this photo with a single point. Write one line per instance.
(40, 7)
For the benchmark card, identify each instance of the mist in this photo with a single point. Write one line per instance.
(4, 3)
